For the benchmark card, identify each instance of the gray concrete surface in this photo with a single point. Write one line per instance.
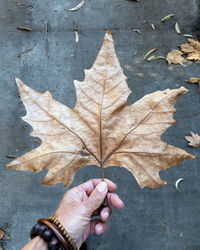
(161, 219)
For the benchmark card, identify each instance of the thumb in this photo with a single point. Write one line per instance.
(97, 197)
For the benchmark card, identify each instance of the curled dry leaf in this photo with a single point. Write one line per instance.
(77, 7)
(153, 26)
(136, 30)
(194, 80)
(194, 140)
(153, 58)
(1, 237)
(24, 28)
(177, 183)
(149, 52)
(191, 49)
(177, 28)
(188, 35)
(76, 36)
(101, 129)
(175, 57)
(1, 234)
(167, 18)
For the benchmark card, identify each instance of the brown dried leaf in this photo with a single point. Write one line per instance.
(149, 52)
(1, 234)
(191, 49)
(101, 129)
(194, 80)
(175, 57)
(24, 28)
(194, 140)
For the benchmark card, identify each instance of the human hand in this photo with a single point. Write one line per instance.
(80, 203)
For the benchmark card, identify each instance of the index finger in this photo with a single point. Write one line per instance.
(90, 185)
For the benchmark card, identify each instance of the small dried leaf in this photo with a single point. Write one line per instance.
(194, 140)
(24, 28)
(76, 36)
(153, 26)
(191, 49)
(175, 57)
(186, 48)
(177, 183)
(177, 28)
(188, 35)
(149, 52)
(153, 58)
(136, 30)
(167, 18)
(11, 156)
(1, 234)
(77, 7)
(195, 80)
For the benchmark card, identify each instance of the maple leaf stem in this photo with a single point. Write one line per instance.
(102, 174)
(100, 126)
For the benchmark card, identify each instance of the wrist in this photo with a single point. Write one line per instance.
(36, 244)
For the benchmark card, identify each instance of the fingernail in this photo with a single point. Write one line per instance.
(102, 187)
(105, 215)
(99, 229)
(122, 203)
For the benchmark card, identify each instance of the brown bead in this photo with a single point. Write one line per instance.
(54, 244)
(47, 235)
(35, 230)
(42, 229)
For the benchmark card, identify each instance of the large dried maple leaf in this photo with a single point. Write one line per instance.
(101, 129)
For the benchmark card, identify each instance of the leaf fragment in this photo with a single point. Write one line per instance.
(77, 7)
(194, 140)
(24, 28)
(167, 18)
(177, 183)
(149, 52)
(194, 80)
(177, 28)
(1, 234)
(101, 129)
(11, 156)
(191, 49)
(1, 237)
(153, 26)
(188, 35)
(76, 36)
(153, 58)
(136, 30)
(175, 57)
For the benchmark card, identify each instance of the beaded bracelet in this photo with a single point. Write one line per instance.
(52, 232)
(63, 231)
